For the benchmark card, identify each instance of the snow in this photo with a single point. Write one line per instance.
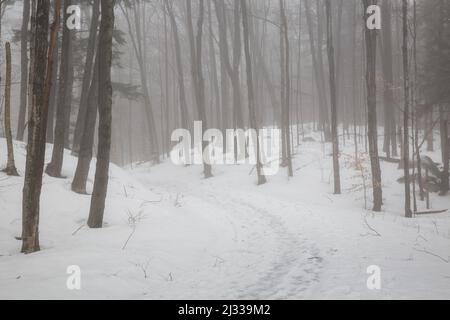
(170, 234)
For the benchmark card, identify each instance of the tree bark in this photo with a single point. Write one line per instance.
(97, 209)
(406, 115)
(24, 40)
(64, 99)
(334, 128)
(38, 123)
(10, 169)
(87, 139)
(197, 72)
(251, 99)
(87, 77)
(371, 51)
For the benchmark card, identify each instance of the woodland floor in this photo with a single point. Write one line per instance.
(170, 234)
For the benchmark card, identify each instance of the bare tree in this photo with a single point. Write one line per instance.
(371, 50)
(10, 166)
(43, 52)
(24, 37)
(334, 129)
(64, 99)
(251, 98)
(406, 116)
(105, 115)
(196, 46)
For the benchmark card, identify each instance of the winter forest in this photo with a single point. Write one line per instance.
(224, 149)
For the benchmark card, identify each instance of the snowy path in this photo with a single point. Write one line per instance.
(284, 262)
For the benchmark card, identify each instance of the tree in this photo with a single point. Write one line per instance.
(87, 76)
(371, 49)
(87, 139)
(133, 11)
(195, 46)
(10, 166)
(180, 72)
(23, 69)
(43, 52)
(97, 209)
(285, 90)
(251, 98)
(408, 212)
(390, 136)
(64, 99)
(334, 129)
(318, 71)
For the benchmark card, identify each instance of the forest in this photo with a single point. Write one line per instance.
(224, 149)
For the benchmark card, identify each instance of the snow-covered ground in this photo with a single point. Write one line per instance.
(169, 234)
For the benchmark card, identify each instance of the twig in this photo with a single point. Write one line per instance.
(370, 228)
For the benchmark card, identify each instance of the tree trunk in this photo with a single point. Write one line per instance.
(197, 72)
(180, 72)
(285, 90)
(24, 40)
(251, 99)
(444, 150)
(390, 141)
(87, 77)
(38, 123)
(105, 115)
(371, 51)
(10, 169)
(87, 139)
(406, 115)
(64, 98)
(323, 108)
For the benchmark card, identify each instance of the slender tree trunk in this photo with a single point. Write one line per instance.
(444, 150)
(63, 106)
(97, 209)
(323, 108)
(285, 88)
(10, 169)
(251, 99)
(180, 72)
(408, 212)
(371, 51)
(87, 77)
(53, 96)
(390, 141)
(38, 122)
(24, 40)
(334, 127)
(87, 139)
(197, 72)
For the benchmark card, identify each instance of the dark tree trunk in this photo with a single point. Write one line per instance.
(197, 71)
(43, 53)
(285, 90)
(180, 72)
(371, 51)
(406, 115)
(10, 169)
(323, 108)
(251, 98)
(63, 102)
(87, 77)
(24, 40)
(53, 96)
(445, 150)
(334, 128)
(390, 137)
(105, 115)
(87, 139)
